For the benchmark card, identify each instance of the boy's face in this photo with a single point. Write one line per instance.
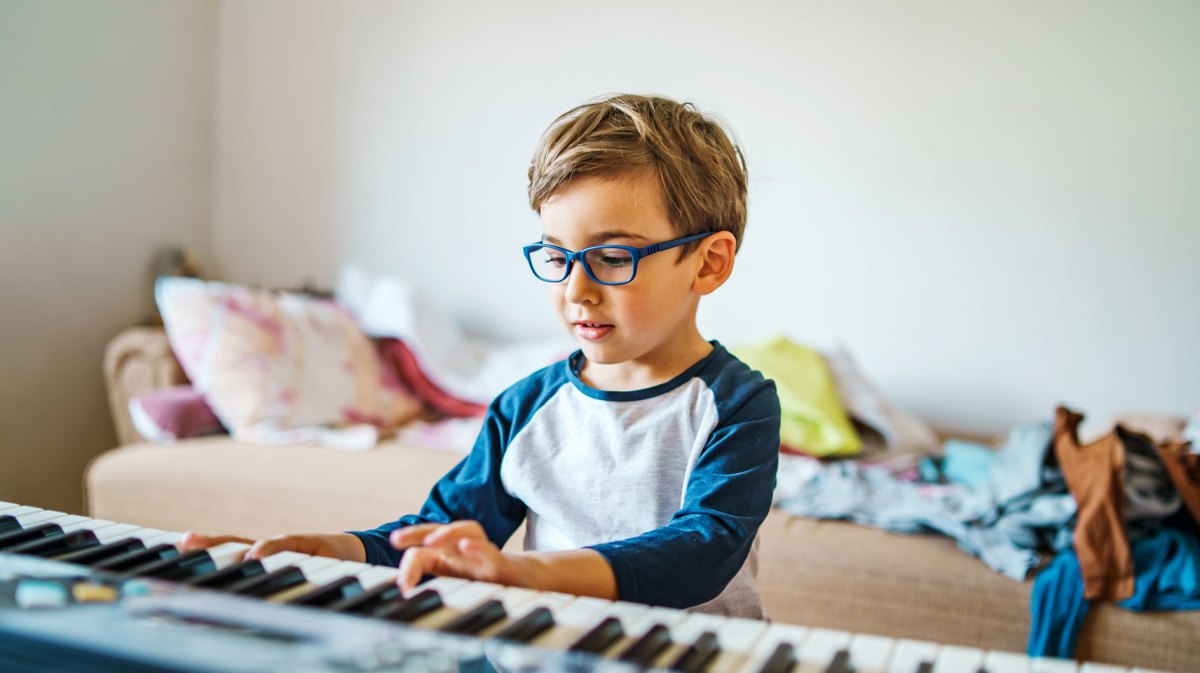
(650, 321)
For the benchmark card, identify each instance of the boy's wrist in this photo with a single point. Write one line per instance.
(522, 570)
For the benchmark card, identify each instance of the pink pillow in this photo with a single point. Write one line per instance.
(269, 363)
(178, 412)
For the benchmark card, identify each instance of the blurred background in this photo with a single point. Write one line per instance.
(992, 205)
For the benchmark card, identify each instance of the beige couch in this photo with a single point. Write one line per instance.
(816, 573)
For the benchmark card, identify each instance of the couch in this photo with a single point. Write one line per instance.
(815, 573)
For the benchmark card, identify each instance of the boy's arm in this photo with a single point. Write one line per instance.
(691, 559)
(471, 490)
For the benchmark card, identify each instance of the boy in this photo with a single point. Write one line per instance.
(643, 464)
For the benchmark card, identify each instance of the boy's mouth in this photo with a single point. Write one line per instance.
(592, 331)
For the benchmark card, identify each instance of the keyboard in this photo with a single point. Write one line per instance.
(75, 590)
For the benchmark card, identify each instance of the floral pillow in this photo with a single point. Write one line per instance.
(270, 362)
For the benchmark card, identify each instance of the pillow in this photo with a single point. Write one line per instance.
(168, 414)
(405, 364)
(272, 362)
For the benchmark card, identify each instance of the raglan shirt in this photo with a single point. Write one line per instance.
(668, 483)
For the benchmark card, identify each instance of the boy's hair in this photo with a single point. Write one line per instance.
(702, 173)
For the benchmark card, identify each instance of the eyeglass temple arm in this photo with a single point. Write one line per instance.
(656, 247)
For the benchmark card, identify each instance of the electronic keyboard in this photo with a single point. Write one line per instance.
(82, 594)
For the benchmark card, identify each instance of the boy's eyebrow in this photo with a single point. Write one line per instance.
(601, 237)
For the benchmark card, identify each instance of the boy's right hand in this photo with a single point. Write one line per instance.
(335, 545)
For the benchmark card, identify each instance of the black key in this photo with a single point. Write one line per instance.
(925, 667)
(840, 663)
(346, 587)
(477, 618)
(601, 637)
(104, 551)
(368, 601)
(59, 544)
(782, 660)
(15, 537)
(527, 628)
(191, 564)
(271, 583)
(646, 649)
(698, 655)
(8, 523)
(412, 609)
(219, 579)
(126, 562)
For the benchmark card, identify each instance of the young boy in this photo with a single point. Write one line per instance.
(644, 463)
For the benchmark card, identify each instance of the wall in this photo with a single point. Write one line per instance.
(105, 156)
(991, 204)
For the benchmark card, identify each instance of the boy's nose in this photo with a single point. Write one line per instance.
(580, 288)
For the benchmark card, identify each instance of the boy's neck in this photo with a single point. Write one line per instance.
(662, 364)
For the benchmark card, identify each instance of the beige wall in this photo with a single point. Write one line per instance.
(105, 156)
(993, 204)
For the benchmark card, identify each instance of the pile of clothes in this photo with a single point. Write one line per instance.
(1119, 513)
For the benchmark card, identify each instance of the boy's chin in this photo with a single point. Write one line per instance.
(599, 354)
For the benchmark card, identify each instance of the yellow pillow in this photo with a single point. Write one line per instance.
(813, 418)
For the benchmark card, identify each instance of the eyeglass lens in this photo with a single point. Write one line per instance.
(608, 265)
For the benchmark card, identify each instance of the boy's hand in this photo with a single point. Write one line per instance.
(335, 545)
(459, 549)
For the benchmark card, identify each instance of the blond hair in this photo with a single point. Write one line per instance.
(701, 172)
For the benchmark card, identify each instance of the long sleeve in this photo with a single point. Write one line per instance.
(728, 495)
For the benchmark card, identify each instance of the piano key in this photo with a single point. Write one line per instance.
(820, 648)
(231, 574)
(125, 562)
(572, 620)
(87, 524)
(40, 516)
(870, 654)
(697, 656)
(736, 637)
(21, 510)
(8, 523)
(533, 624)
(1092, 667)
(627, 615)
(519, 602)
(457, 595)
(7, 505)
(316, 579)
(908, 656)
(262, 586)
(104, 551)
(58, 545)
(368, 601)
(184, 566)
(782, 660)
(1052, 665)
(410, 609)
(377, 575)
(328, 594)
(600, 637)
(117, 532)
(648, 647)
(478, 618)
(767, 646)
(685, 633)
(36, 532)
(955, 659)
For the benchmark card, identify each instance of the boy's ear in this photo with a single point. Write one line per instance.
(716, 262)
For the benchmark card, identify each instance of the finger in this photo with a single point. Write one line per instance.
(415, 564)
(192, 541)
(450, 534)
(411, 536)
(264, 548)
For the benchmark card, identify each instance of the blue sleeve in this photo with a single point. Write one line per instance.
(470, 490)
(690, 560)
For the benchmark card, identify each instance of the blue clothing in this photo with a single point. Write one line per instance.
(1167, 570)
(669, 483)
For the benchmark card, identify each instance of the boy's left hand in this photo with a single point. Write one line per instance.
(459, 549)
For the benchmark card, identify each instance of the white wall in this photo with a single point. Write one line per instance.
(105, 155)
(992, 204)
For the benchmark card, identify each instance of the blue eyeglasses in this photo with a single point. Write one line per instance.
(605, 264)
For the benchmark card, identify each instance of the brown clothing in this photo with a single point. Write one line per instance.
(1095, 475)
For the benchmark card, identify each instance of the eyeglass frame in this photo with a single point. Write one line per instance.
(635, 255)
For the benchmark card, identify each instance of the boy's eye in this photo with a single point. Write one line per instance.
(614, 259)
(555, 258)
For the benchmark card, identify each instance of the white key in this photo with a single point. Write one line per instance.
(282, 560)
(1092, 667)
(166, 537)
(953, 659)
(319, 577)
(775, 635)
(870, 654)
(7, 505)
(627, 614)
(117, 532)
(1052, 665)
(456, 599)
(819, 649)
(737, 638)
(909, 654)
(22, 510)
(571, 621)
(88, 524)
(39, 517)
(227, 554)
(684, 633)
(376, 575)
(1006, 662)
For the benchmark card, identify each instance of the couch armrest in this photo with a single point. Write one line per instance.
(136, 360)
